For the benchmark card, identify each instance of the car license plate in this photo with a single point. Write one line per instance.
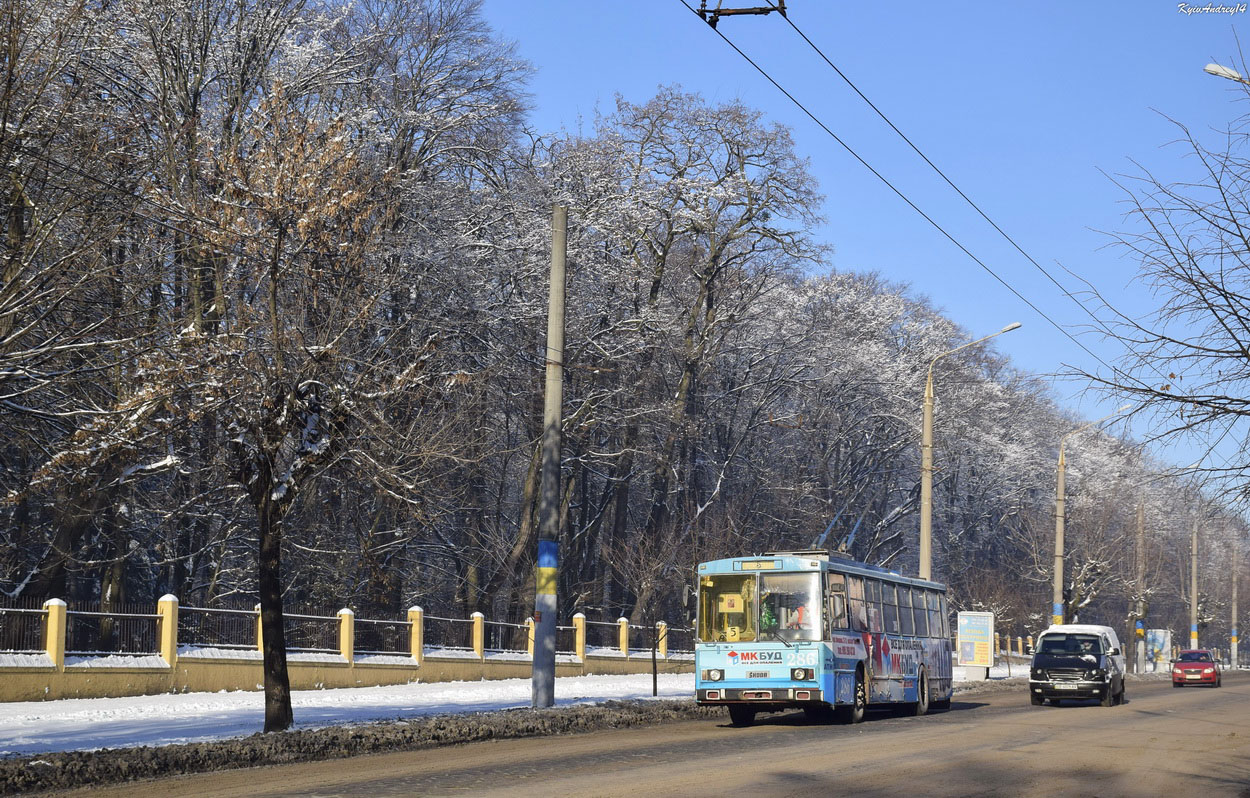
(1193, 676)
(1065, 687)
(757, 674)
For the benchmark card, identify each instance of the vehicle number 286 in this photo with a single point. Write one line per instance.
(801, 658)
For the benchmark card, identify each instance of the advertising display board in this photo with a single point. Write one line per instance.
(1158, 649)
(975, 639)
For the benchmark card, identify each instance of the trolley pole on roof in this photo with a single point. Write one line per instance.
(546, 568)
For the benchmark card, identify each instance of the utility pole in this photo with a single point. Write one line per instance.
(1193, 588)
(1057, 608)
(1232, 626)
(1058, 605)
(546, 568)
(1139, 629)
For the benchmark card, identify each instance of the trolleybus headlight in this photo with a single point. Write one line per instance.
(802, 674)
(713, 675)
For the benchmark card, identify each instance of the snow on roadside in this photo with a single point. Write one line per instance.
(92, 723)
(85, 724)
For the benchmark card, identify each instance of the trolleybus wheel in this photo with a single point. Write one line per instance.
(921, 707)
(741, 714)
(854, 713)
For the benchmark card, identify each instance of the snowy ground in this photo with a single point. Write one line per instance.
(37, 727)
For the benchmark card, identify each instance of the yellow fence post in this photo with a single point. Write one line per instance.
(623, 623)
(661, 631)
(998, 646)
(416, 617)
(1020, 645)
(260, 632)
(1029, 640)
(347, 635)
(579, 636)
(479, 635)
(529, 636)
(167, 628)
(54, 623)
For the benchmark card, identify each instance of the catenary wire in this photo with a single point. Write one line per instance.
(903, 196)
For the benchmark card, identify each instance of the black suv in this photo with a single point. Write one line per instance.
(1077, 661)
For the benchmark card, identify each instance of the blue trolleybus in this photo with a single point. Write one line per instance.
(801, 629)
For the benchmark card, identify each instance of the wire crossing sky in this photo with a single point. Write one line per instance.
(1033, 111)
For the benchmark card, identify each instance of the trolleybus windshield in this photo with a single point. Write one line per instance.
(745, 607)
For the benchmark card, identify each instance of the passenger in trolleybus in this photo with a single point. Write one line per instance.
(790, 607)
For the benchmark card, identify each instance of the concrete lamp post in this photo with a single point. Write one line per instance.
(926, 458)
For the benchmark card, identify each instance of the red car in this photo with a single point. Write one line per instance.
(1195, 666)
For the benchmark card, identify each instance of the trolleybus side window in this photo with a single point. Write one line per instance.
(905, 624)
(874, 605)
(837, 601)
(856, 603)
(919, 611)
(946, 618)
(889, 606)
(935, 613)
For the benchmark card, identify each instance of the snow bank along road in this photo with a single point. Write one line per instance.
(37, 727)
(1160, 742)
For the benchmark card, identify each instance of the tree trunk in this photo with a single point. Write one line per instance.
(278, 715)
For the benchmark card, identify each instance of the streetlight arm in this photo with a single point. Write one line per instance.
(1013, 326)
(1083, 427)
(926, 458)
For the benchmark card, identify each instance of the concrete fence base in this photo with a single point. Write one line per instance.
(52, 675)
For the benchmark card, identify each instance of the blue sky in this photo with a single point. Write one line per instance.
(1029, 108)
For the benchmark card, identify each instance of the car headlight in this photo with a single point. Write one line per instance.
(713, 675)
(1208, 670)
(1096, 674)
(802, 674)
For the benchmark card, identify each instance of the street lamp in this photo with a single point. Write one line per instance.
(1225, 72)
(1056, 608)
(926, 458)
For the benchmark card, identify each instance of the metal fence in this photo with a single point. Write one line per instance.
(311, 633)
(644, 637)
(383, 637)
(217, 628)
(566, 639)
(680, 639)
(127, 631)
(88, 630)
(448, 632)
(603, 634)
(21, 630)
(501, 636)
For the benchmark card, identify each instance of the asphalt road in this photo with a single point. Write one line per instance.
(1160, 742)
